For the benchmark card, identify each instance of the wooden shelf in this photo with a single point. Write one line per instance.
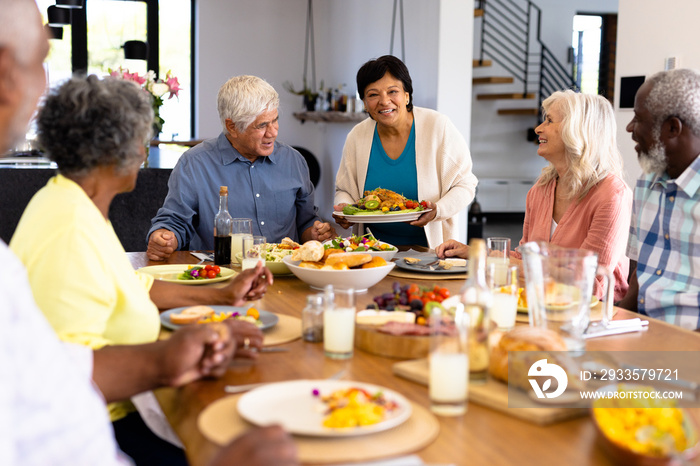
(331, 117)
(519, 111)
(493, 80)
(513, 96)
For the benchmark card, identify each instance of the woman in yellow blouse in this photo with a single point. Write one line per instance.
(95, 130)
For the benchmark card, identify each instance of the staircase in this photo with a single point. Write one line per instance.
(510, 37)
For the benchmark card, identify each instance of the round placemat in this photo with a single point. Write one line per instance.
(220, 423)
(288, 329)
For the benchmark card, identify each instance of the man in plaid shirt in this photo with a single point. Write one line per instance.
(665, 229)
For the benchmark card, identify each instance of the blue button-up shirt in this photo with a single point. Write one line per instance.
(665, 241)
(275, 191)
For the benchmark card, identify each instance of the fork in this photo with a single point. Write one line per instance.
(245, 388)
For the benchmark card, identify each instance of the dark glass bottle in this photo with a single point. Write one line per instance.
(223, 224)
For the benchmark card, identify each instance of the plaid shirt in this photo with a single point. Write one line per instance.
(665, 241)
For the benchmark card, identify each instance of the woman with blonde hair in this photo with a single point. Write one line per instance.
(580, 199)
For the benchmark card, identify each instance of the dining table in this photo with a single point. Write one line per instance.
(481, 436)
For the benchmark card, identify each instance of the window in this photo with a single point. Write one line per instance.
(586, 44)
(94, 43)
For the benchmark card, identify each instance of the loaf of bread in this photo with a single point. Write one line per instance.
(523, 338)
(191, 315)
(351, 259)
(375, 262)
(311, 251)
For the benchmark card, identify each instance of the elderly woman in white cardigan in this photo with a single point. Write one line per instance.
(416, 152)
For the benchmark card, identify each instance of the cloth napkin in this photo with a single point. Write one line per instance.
(615, 327)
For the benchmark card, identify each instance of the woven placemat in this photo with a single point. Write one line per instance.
(288, 329)
(220, 423)
(399, 273)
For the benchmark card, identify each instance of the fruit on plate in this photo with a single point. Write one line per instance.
(413, 298)
(383, 201)
(191, 315)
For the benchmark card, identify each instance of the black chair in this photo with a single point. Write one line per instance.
(312, 162)
(130, 213)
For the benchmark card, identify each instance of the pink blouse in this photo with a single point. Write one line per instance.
(599, 223)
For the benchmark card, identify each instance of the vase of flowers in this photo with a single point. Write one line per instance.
(159, 90)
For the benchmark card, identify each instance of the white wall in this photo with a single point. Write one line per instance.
(499, 146)
(648, 32)
(266, 38)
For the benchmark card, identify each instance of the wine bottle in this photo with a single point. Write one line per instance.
(223, 225)
(477, 300)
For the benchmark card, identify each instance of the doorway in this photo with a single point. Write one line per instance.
(594, 43)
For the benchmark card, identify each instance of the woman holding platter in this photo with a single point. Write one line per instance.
(413, 151)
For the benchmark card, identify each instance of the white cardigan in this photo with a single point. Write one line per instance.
(442, 160)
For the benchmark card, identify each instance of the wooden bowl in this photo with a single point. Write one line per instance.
(369, 339)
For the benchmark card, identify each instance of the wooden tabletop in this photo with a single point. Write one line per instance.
(481, 436)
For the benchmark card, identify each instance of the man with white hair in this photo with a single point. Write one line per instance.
(665, 229)
(51, 412)
(268, 181)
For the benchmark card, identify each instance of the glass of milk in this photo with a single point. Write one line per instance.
(497, 250)
(503, 281)
(448, 362)
(241, 227)
(339, 325)
(253, 251)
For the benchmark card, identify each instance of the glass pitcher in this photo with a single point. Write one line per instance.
(559, 284)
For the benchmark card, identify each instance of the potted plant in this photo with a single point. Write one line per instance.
(309, 95)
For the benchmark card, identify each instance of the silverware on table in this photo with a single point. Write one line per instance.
(615, 327)
(250, 386)
(203, 257)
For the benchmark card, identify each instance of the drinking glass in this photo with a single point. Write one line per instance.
(449, 362)
(253, 251)
(339, 325)
(497, 251)
(241, 227)
(503, 281)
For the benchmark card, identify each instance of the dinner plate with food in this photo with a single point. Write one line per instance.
(188, 274)
(275, 254)
(555, 305)
(189, 315)
(432, 265)
(325, 408)
(383, 206)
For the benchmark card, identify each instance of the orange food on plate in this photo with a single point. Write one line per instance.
(375, 262)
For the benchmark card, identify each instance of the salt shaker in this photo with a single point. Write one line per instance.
(312, 319)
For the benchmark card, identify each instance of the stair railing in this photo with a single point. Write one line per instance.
(508, 30)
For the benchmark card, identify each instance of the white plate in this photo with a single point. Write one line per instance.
(170, 272)
(277, 268)
(382, 218)
(268, 319)
(292, 405)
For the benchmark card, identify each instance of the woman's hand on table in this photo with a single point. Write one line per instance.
(264, 446)
(452, 248)
(341, 221)
(248, 285)
(427, 217)
(248, 337)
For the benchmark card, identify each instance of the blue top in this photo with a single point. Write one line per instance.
(400, 176)
(275, 191)
(665, 241)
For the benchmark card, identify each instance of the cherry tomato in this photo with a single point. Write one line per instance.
(430, 296)
(413, 289)
(411, 297)
(444, 292)
(207, 267)
(424, 204)
(211, 274)
(410, 205)
(216, 269)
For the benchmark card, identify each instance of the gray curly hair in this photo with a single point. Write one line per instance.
(243, 98)
(589, 134)
(674, 93)
(90, 122)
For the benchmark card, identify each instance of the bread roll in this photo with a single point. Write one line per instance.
(375, 262)
(311, 265)
(311, 251)
(522, 338)
(191, 315)
(330, 251)
(351, 259)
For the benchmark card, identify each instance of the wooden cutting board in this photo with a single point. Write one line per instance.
(493, 394)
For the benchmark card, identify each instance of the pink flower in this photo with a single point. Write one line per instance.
(173, 84)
